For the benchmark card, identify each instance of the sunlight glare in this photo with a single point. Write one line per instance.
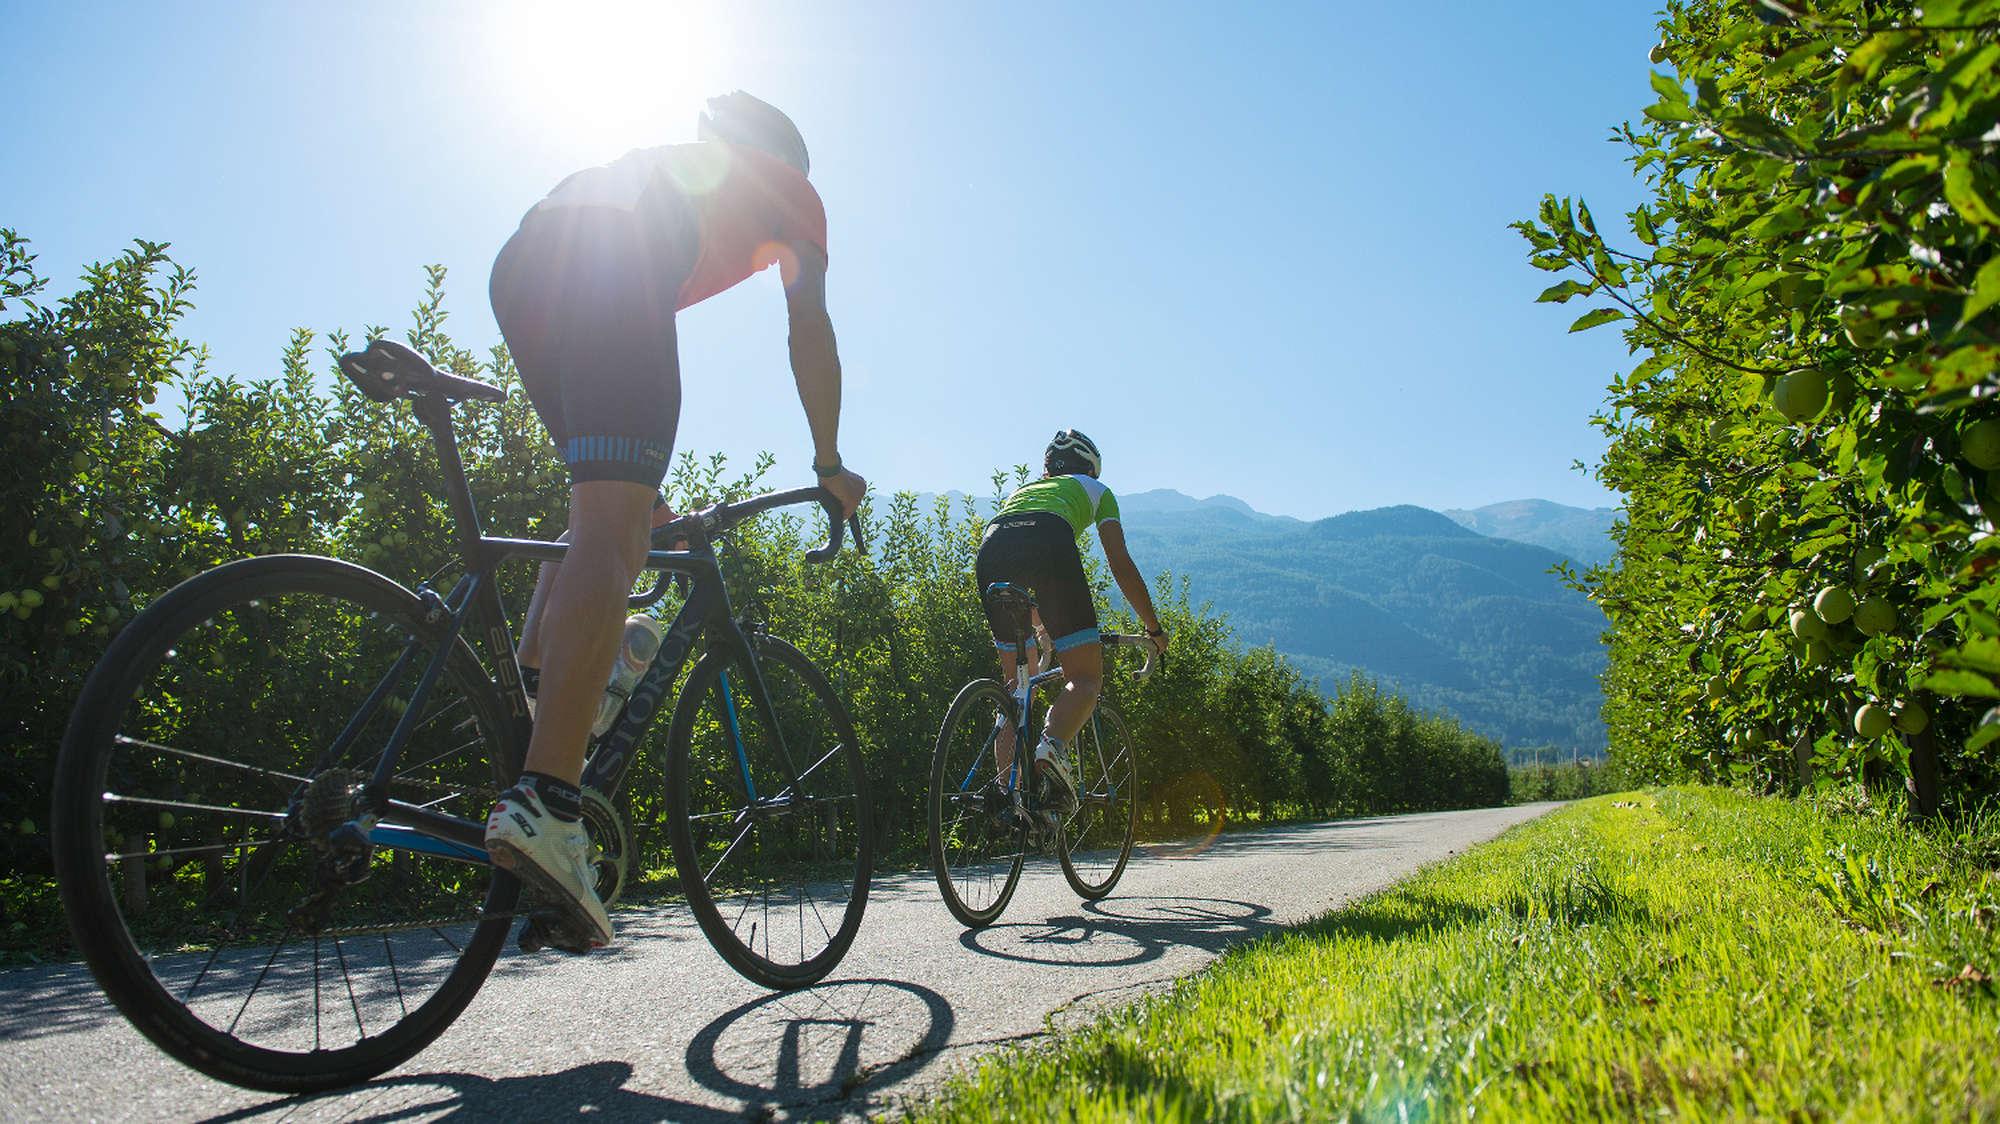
(597, 77)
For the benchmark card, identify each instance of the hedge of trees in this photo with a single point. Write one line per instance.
(1809, 446)
(116, 499)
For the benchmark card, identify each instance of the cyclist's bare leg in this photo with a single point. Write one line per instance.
(583, 616)
(1083, 672)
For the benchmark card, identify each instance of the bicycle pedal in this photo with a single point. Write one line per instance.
(542, 931)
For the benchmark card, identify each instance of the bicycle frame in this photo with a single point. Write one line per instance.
(475, 601)
(1023, 692)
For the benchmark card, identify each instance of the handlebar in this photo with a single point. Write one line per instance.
(1132, 640)
(721, 518)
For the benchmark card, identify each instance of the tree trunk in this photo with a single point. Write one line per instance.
(1922, 782)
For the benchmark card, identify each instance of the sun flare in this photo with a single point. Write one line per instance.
(610, 73)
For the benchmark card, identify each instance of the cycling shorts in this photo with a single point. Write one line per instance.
(585, 299)
(1037, 550)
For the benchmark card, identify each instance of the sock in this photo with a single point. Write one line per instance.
(563, 799)
(1049, 746)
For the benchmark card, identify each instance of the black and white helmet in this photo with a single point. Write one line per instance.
(1069, 452)
(741, 119)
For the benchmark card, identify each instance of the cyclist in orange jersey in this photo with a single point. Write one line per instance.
(585, 293)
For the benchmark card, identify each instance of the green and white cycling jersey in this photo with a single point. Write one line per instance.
(1082, 501)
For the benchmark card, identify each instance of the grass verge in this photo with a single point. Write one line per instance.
(1688, 951)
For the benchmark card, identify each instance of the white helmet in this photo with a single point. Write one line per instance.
(741, 119)
(1070, 451)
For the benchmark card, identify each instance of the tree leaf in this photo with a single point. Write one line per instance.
(1985, 292)
(1595, 317)
(1562, 291)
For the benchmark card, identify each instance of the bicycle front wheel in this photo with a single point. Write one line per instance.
(768, 813)
(214, 748)
(1096, 842)
(976, 847)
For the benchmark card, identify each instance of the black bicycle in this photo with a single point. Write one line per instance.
(984, 815)
(270, 803)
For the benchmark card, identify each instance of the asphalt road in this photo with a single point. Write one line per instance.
(659, 1028)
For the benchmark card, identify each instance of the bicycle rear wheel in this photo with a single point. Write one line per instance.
(1094, 844)
(768, 814)
(975, 854)
(194, 793)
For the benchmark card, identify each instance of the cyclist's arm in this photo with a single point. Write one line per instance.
(816, 366)
(1126, 573)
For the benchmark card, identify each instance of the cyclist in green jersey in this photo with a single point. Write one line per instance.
(1032, 542)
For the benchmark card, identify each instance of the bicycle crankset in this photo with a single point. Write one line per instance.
(610, 844)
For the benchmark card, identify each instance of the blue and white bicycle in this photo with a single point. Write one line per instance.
(987, 815)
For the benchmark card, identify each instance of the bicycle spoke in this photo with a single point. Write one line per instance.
(349, 981)
(730, 850)
(203, 849)
(148, 802)
(258, 984)
(457, 751)
(188, 996)
(141, 743)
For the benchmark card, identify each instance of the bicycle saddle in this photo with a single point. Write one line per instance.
(386, 370)
(1013, 603)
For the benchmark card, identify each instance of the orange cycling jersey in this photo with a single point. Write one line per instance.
(748, 208)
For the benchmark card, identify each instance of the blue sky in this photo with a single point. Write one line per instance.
(1255, 249)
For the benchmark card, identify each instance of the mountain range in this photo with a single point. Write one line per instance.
(1583, 533)
(1459, 611)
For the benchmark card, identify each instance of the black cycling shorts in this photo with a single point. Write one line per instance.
(585, 298)
(1037, 549)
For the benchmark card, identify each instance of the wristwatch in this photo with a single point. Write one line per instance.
(823, 471)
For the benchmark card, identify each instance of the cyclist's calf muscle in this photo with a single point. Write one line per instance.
(609, 535)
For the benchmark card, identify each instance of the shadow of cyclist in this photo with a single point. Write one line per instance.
(1120, 932)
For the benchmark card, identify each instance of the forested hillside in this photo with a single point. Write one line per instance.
(1475, 626)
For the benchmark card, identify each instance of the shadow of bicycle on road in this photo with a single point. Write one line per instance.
(807, 1052)
(820, 1046)
(1121, 932)
(594, 1091)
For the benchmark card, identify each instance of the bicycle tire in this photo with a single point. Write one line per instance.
(967, 724)
(1104, 775)
(707, 790)
(239, 606)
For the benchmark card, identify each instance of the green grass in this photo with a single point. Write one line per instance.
(1684, 952)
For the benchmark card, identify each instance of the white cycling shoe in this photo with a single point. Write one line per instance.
(551, 856)
(1052, 765)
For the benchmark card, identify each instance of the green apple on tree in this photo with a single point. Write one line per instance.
(1980, 444)
(1912, 718)
(1871, 721)
(1875, 617)
(1834, 604)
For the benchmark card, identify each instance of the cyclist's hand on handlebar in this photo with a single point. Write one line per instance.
(848, 488)
(1158, 638)
(663, 515)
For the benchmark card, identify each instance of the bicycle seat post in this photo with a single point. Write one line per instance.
(435, 413)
